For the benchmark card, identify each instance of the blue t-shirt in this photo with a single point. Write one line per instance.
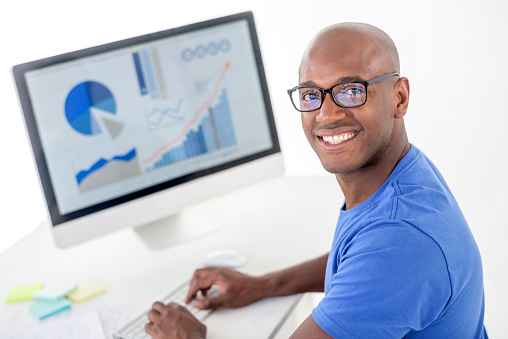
(404, 263)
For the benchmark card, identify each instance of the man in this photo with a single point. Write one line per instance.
(403, 261)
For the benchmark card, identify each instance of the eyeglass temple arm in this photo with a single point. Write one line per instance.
(382, 77)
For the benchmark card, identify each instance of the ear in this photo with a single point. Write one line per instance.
(401, 92)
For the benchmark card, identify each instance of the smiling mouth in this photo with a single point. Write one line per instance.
(337, 139)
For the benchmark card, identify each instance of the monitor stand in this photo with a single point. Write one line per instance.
(175, 229)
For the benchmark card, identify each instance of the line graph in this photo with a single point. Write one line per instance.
(159, 117)
(193, 121)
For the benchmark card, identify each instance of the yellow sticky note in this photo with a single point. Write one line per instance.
(85, 291)
(23, 293)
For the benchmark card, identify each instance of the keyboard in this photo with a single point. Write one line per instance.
(136, 328)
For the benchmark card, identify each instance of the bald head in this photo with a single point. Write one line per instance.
(370, 135)
(356, 44)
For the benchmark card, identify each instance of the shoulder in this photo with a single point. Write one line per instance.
(396, 241)
(391, 275)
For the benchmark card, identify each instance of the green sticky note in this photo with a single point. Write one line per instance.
(45, 308)
(85, 291)
(23, 293)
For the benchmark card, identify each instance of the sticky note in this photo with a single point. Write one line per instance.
(23, 293)
(54, 291)
(44, 308)
(85, 291)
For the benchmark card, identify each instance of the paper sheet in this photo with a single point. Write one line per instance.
(86, 326)
(91, 320)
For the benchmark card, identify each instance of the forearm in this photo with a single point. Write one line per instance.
(240, 289)
(305, 277)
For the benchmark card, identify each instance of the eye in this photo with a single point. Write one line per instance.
(353, 91)
(309, 95)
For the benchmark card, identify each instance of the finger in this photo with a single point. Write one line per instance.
(198, 282)
(153, 316)
(212, 303)
(150, 328)
(194, 285)
(158, 306)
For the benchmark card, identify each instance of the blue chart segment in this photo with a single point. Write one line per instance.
(106, 171)
(139, 72)
(81, 99)
(214, 132)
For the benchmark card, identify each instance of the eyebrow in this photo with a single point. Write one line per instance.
(340, 80)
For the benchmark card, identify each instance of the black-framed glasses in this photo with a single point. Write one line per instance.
(344, 94)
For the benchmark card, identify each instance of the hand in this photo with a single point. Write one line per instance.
(237, 289)
(173, 321)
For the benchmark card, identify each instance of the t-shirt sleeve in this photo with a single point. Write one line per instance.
(391, 278)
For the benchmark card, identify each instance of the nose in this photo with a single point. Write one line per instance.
(330, 112)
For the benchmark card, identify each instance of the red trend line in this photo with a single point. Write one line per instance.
(194, 120)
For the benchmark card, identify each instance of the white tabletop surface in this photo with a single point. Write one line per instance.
(279, 223)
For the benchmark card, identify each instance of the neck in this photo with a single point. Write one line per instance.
(359, 186)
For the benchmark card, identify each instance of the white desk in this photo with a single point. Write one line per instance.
(276, 224)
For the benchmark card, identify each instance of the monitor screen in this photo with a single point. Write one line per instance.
(111, 124)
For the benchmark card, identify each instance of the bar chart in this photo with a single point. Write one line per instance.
(149, 73)
(215, 131)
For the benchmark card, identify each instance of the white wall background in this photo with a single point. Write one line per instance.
(455, 54)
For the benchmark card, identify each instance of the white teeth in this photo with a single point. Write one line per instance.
(337, 139)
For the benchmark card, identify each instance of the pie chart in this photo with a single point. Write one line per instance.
(85, 102)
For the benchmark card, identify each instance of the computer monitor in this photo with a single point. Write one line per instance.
(131, 132)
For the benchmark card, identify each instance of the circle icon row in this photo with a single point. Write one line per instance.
(202, 51)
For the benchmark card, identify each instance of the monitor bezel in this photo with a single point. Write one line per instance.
(39, 157)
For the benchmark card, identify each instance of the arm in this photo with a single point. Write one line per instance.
(239, 289)
(305, 277)
(309, 329)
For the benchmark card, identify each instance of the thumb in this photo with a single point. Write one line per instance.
(213, 302)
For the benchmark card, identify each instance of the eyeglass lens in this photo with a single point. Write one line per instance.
(346, 95)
